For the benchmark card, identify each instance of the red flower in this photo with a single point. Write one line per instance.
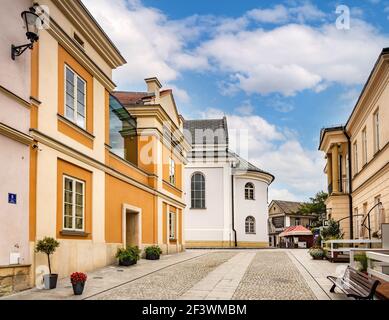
(78, 277)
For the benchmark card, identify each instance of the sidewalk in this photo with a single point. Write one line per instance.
(106, 278)
(315, 273)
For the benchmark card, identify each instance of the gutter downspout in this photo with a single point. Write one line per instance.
(350, 184)
(233, 210)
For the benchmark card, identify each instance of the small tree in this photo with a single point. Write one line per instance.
(332, 231)
(48, 246)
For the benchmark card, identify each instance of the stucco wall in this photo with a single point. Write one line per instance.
(256, 208)
(206, 224)
(14, 156)
(13, 217)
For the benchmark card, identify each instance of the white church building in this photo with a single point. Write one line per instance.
(226, 196)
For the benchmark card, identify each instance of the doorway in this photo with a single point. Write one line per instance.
(132, 226)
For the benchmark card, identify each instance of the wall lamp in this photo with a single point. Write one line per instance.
(32, 23)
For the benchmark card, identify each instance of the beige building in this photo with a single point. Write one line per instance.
(358, 159)
(102, 172)
(285, 214)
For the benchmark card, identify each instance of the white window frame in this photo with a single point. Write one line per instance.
(250, 225)
(76, 77)
(364, 146)
(172, 226)
(172, 171)
(250, 191)
(194, 192)
(376, 124)
(74, 181)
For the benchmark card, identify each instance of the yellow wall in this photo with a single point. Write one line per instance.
(119, 193)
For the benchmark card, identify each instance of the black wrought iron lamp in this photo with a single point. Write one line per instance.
(32, 23)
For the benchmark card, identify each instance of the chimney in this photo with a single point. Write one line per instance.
(153, 86)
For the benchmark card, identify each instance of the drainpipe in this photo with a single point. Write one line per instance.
(233, 209)
(350, 184)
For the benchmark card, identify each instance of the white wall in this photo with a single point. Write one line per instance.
(256, 208)
(211, 224)
(14, 156)
(14, 173)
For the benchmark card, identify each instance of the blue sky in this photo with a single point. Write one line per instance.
(279, 70)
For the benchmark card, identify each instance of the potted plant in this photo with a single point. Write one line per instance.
(78, 280)
(128, 256)
(317, 253)
(153, 252)
(48, 246)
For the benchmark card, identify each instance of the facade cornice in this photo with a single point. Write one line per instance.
(74, 50)
(260, 176)
(75, 154)
(80, 17)
(370, 93)
(15, 97)
(15, 134)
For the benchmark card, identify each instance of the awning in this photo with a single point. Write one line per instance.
(296, 231)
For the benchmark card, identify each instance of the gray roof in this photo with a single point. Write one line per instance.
(210, 131)
(289, 207)
(244, 165)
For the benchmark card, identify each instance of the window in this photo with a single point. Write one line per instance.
(357, 227)
(297, 222)
(172, 226)
(355, 149)
(172, 172)
(74, 204)
(75, 98)
(198, 191)
(376, 118)
(249, 191)
(364, 146)
(250, 225)
(378, 216)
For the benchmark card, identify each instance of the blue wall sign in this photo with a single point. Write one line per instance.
(12, 198)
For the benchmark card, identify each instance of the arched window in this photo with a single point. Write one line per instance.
(198, 191)
(249, 191)
(250, 225)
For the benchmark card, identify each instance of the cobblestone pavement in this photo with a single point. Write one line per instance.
(169, 283)
(273, 276)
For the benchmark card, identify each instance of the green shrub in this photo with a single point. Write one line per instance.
(153, 250)
(48, 246)
(317, 252)
(362, 259)
(129, 253)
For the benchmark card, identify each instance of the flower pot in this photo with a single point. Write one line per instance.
(318, 258)
(127, 262)
(152, 256)
(78, 288)
(50, 281)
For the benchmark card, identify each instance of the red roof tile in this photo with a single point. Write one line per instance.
(131, 97)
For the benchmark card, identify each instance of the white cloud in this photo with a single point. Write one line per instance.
(282, 194)
(277, 14)
(152, 44)
(294, 57)
(286, 59)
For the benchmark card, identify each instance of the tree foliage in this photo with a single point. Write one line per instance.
(316, 205)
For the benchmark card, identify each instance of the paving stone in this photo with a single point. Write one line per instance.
(169, 283)
(273, 276)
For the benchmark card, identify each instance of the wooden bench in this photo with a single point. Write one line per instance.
(355, 284)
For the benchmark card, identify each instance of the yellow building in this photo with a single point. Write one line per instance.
(358, 159)
(91, 185)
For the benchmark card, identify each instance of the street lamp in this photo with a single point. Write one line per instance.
(32, 23)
